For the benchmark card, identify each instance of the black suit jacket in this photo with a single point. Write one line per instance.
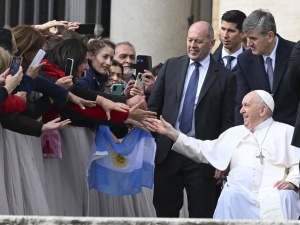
(217, 55)
(293, 84)
(215, 108)
(251, 75)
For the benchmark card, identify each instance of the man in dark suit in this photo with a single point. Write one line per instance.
(293, 84)
(263, 66)
(212, 112)
(231, 37)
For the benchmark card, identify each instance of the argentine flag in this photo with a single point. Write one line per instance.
(121, 169)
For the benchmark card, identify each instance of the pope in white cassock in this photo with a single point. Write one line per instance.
(263, 177)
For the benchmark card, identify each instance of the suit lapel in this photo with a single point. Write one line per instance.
(181, 74)
(218, 55)
(211, 75)
(281, 61)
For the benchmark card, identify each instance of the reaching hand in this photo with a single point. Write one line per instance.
(65, 82)
(109, 105)
(21, 94)
(128, 87)
(162, 127)
(136, 90)
(55, 124)
(137, 124)
(11, 82)
(33, 71)
(73, 25)
(159, 126)
(135, 100)
(80, 101)
(51, 24)
(138, 114)
(3, 76)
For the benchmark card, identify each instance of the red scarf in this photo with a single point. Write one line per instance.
(52, 70)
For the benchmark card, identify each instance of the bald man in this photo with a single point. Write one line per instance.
(263, 175)
(196, 95)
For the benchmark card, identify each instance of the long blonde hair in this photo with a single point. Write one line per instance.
(5, 60)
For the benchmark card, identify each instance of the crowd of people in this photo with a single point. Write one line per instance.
(223, 121)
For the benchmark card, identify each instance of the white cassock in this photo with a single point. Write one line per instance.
(249, 192)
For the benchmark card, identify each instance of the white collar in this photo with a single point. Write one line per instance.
(273, 53)
(262, 125)
(236, 54)
(204, 63)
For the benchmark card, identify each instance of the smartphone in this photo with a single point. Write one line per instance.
(87, 28)
(38, 58)
(143, 62)
(69, 67)
(140, 80)
(15, 65)
(116, 89)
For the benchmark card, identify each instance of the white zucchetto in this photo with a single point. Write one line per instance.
(267, 98)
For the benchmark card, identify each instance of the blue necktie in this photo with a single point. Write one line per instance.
(229, 58)
(270, 71)
(186, 117)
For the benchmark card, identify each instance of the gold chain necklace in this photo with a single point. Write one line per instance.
(260, 155)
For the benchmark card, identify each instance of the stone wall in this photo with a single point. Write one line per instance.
(32, 220)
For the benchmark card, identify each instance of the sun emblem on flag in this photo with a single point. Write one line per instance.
(119, 160)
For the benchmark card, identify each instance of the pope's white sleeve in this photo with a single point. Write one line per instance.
(189, 147)
(293, 175)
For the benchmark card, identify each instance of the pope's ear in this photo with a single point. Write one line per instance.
(264, 110)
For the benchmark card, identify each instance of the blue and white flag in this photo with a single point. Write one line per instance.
(121, 169)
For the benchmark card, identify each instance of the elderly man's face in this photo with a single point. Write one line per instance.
(260, 44)
(125, 55)
(199, 44)
(251, 110)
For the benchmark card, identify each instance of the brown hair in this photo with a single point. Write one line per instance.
(95, 45)
(28, 40)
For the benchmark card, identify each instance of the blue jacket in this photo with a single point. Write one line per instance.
(93, 80)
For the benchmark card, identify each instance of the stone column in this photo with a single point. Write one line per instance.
(21, 11)
(50, 9)
(7, 14)
(157, 28)
(75, 10)
(36, 12)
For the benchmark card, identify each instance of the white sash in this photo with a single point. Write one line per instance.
(268, 197)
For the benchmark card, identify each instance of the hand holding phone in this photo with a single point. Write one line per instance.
(15, 65)
(69, 67)
(143, 62)
(34, 71)
(140, 80)
(116, 89)
(11, 82)
(38, 58)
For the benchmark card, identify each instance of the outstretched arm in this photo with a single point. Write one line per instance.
(162, 127)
